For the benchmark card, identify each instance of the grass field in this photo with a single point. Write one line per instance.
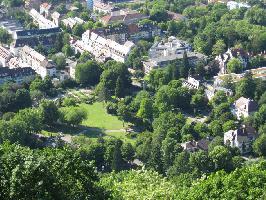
(98, 117)
(98, 124)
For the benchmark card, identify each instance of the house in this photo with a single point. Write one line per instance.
(125, 16)
(244, 107)
(191, 83)
(103, 7)
(72, 21)
(217, 1)
(101, 48)
(5, 56)
(192, 146)
(164, 52)
(34, 37)
(37, 62)
(235, 5)
(11, 25)
(241, 138)
(223, 59)
(18, 75)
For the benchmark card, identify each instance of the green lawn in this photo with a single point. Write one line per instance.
(98, 117)
(98, 124)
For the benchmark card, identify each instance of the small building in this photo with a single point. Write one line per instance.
(18, 75)
(210, 91)
(192, 146)
(244, 107)
(241, 138)
(41, 21)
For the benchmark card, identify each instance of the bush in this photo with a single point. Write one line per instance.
(111, 108)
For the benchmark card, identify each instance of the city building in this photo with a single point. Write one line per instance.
(101, 7)
(5, 56)
(235, 5)
(164, 52)
(11, 25)
(34, 37)
(37, 62)
(18, 75)
(125, 16)
(101, 48)
(241, 138)
(90, 4)
(41, 21)
(72, 21)
(223, 59)
(244, 107)
(133, 32)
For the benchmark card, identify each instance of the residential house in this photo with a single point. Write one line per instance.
(192, 146)
(223, 59)
(37, 62)
(11, 25)
(5, 56)
(244, 107)
(18, 75)
(101, 48)
(164, 52)
(125, 16)
(241, 138)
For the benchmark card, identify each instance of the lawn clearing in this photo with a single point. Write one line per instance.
(99, 118)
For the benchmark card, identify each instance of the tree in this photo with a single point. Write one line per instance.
(23, 99)
(259, 145)
(234, 66)
(221, 157)
(78, 30)
(67, 50)
(5, 38)
(145, 110)
(88, 73)
(60, 62)
(246, 87)
(49, 112)
(117, 163)
(119, 88)
(218, 48)
(127, 151)
(73, 115)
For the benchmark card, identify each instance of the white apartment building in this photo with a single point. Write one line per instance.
(37, 62)
(235, 5)
(72, 21)
(103, 48)
(102, 7)
(42, 21)
(5, 56)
